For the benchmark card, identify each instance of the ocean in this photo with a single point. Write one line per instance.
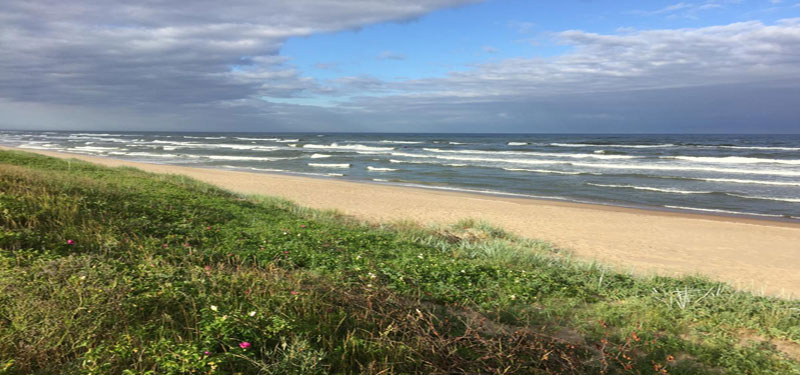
(742, 175)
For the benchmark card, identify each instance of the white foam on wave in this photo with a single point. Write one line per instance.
(319, 156)
(517, 143)
(408, 161)
(401, 142)
(283, 171)
(659, 167)
(98, 134)
(541, 171)
(732, 160)
(163, 142)
(531, 153)
(287, 140)
(779, 199)
(720, 211)
(457, 143)
(377, 169)
(678, 191)
(258, 139)
(233, 146)
(187, 136)
(456, 165)
(759, 182)
(97, 138)
(348, 147)
(648, 188)
(251, 158)
(40, 147)
(766, 148)
(481, 159)
(322, 165)
(212, 157)
(605, 145)
(149, 154)
(380, 180)
(95, 148)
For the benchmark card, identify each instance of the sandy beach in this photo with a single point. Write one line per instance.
(758, 255)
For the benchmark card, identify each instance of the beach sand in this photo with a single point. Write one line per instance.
(762, 256)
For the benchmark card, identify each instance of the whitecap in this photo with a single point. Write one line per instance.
(377, 169)
(321, 165)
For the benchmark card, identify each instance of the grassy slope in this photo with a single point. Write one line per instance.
(169, 276)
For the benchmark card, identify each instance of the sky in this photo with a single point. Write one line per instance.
(492, 66)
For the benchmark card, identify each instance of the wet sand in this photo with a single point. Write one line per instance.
(758, 255)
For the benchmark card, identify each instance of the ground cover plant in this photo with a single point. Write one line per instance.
(117, 271)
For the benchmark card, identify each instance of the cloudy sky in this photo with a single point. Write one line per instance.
(586, 66)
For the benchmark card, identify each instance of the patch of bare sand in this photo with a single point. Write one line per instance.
(758, 255)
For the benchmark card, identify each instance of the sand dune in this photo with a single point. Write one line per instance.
(758, 255)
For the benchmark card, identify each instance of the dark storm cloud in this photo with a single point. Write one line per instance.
(156, 53)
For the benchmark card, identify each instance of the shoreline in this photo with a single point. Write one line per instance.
(756, 254)
(699, 213)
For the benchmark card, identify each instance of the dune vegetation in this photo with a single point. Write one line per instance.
(118, 271)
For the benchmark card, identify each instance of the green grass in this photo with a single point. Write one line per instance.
(166, 275)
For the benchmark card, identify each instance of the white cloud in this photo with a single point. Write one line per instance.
(685, 9)
(391, 55)
(683, 79)
(653, 59)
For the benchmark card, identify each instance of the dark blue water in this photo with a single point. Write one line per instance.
(726, 174)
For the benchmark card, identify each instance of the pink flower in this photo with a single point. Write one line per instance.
(206, 352)
(286, 252)
(186, 245)
(302, 225)
(244, 345)
(294, 293)
(208, 227)
(207, 268)
(70, 242)
(165, 246)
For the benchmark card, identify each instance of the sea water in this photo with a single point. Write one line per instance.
(751, 175)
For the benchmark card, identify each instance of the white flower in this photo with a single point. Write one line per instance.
(513, 297)
(213, 308)
(252, 313)
(420, 256)
(372, 275)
